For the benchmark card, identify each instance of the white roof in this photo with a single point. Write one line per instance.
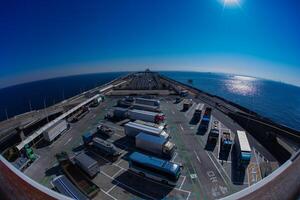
(244, 144)
(50, 124)
(143, 112)
(144, 127)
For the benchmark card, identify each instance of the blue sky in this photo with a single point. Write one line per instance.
(43, 39)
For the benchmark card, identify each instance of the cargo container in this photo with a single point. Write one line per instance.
(132, 129)
(243, 148)
(53, 132)
(145, 107)
(64, 186)
(161, 126)
(146, 116)
(106, 148)
(150, 102)
(158, 145)
(187, 103)
(87, 164)
(198, 112)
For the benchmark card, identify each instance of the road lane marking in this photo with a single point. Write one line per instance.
(175, 155)
(113, 187)
(69, 140)
(117, 173)
(108, 194)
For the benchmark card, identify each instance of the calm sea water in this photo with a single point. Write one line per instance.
(277, 101)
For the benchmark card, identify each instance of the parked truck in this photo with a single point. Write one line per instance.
(77, 177)
(132, 129)
(145, 107)
(214, 132)
(187, 103)
(157, 145)
(161, 126)
(150, 102)
(198, 112)
(53, 132)
(204, 125)
(104, 147)
(242, 148)
(146, 116)
(87, 164)
(226, 141)
(105, 130)
(88, 137)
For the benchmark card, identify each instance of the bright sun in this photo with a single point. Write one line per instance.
(231, 2)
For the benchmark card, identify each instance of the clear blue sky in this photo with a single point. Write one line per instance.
(41, 39)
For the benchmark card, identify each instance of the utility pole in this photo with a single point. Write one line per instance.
(46, 110)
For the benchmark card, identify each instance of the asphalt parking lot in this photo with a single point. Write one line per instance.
(204, 176)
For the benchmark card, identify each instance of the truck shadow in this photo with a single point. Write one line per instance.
(210, 145)
(237, 173)
(142, 187)
(56, 170)
(194, 121)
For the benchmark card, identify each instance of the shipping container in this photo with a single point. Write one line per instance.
(150, 102)
(146, 116)
(132, 129)
(145, 107)
(158, 145)
(53, 132)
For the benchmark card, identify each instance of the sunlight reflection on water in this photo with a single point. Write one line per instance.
(242, 85)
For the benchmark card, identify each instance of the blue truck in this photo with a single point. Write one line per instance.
(203, 127)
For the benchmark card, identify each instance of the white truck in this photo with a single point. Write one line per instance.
(54, 131)
(132, 129)
(87, 164)
(146, 116)
(157, 145)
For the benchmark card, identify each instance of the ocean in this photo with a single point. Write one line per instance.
(275, 100)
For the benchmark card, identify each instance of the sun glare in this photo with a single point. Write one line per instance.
(231, 3)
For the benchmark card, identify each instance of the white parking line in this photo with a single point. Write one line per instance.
(113, 187)
(174, 157)
(69, 140)
(197, 156)
(217, 169)
(109, 195)
(182, 182)
(118, 182)
(117, 173)
(181, 127)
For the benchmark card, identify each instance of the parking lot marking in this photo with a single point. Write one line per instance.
(181, 127)
(108, 195)
(118, 182)
(197, 156)
(69, 140)
(174, 157)
(182, 182)
(222, 167)
(117, 173)
(119, 162)
(217, 169)
(113, 187)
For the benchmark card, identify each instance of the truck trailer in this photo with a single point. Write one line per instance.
(145, 107)
(132, 129)
(204, 125)
(150, 102)
(198, 112)
(187, 103)
(53, 132)
(146, 116)
(157, 145)
(87, 164)
(161, 126)
(242, 148)
(214, 132)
